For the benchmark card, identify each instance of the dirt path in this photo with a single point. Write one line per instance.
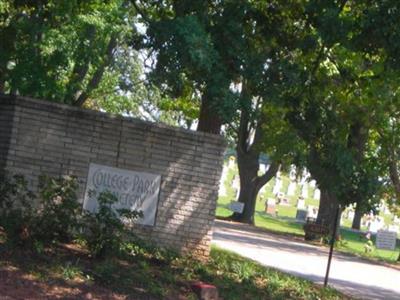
(351, 275)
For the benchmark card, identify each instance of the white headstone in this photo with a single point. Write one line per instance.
(313, 183)
(301, 203)
(304, 190)
(394, 228)
(231, 162)
(263, 168)
(317, 194)
(134, 190)
(386, 239)
(350, 215)
(277, 186)
(376, 225)
(291, 188)
(222, 188)
(312, 212)
(292, 173)
(236, 182)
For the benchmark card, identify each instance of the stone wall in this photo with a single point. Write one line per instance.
(39, 137)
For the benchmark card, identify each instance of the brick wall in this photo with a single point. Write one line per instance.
(39, 137)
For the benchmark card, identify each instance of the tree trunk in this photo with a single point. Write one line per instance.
(209, 120)
(357, 217)
(328, 206)
(248, 168)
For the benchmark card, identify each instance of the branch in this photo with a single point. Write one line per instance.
(271, 172)
(140, 11)
(98, 75)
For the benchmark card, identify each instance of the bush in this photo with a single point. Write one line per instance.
(59, 210)
(104, 230)
(16, 211)
(53, 219)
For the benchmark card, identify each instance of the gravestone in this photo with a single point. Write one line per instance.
(304, 190)
(313, 183)
(231, 162)
(317, 194)
(350, 215)
(376, 224)
(312, 212)
(277, 186)
(270, 207)
(222, 188)
(386, 239)
(263, 168)
(394, 228)
(301, 214)
(301, 203)
(236, 206)
(291, 188)
(292, 173)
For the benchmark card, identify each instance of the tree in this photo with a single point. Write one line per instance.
(60, 51)
(336, 111)
(188, 40)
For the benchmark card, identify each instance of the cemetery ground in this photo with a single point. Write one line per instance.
(285, 223)
(66, 271)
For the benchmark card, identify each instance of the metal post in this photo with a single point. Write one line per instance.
(331, 248)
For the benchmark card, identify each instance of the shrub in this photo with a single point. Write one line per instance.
(59, 210)
(104, 230)
(16, 212)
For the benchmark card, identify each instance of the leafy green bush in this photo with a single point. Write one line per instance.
(59, 210)
(16, 212)
(27, 222)
(105, 229)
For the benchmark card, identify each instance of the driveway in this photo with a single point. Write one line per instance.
(351, 275)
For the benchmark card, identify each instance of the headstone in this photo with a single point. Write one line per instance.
(291, 188)
(231, 162)
(301, 203)
(312, 212)
(277, 186)
(263, 168)
(236, 182)
(236, 206)
(386, 239)
(134, 190)
(270, 206)
(317, 194)
(292, 173)
(350, 215)
(222, 188)
(394, 228)
(301, 214)
(313, 183)
(376, 225)
(304, 190)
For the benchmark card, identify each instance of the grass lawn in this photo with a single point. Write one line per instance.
(67, 271)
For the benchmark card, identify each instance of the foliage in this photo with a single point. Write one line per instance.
(53, 219)
(16, 209)
(104, 230)
(59, 210)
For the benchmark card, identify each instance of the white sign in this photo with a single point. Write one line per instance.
(134, 190)
(236, 207)
(386, 239)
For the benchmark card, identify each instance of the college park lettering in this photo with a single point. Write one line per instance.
(130, 190)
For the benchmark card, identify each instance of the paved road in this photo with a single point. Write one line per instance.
(353, 276)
